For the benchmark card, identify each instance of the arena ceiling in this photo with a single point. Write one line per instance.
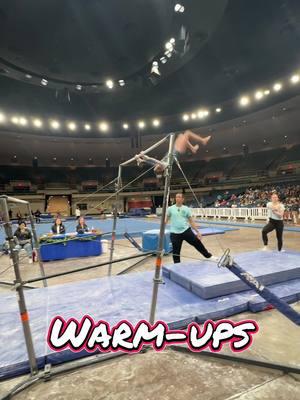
(232, 46)
(272, 127)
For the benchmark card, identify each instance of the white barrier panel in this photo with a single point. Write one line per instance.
(246, 214)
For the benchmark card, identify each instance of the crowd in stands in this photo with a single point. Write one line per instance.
(259, 197)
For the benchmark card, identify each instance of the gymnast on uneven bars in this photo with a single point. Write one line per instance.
(181, 146)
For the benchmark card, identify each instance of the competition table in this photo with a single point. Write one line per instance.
(71, 245)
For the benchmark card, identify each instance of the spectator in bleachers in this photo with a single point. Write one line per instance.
(58, 228)
(82, 226)
(10, 213)
(37, 215)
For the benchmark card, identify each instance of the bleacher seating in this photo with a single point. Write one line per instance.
(253, 168)
(256, 163)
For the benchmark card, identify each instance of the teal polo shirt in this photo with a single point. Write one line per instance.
(178, 217)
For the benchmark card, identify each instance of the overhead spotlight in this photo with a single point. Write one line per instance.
(28, 76)
(55, 124)
(172, 41)
(141, 124)
(156, 122)
(259, 95)
(295, 78)
(185, 117)
(125, 126)
(200, 114)
(54, 158)
(121, 82)
(2, 118)
(168, 53)
(37, 123)
(72, 126)
(109, 83)
(277, 86)
(163, 60)
(44, 82)
(179, 8)
(218, 110)
(15, 120)
(205, 113)
(103, 126)
(87, 127)
(169, 46)
(154, 68)
(244, 101)
(23, 121)
(78, 87)
(266, 92)
(193, 116)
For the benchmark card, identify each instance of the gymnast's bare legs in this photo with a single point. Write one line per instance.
(183, 143)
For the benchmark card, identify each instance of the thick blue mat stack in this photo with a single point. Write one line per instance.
(192, 292)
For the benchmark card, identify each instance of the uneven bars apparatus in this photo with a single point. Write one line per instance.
(118, 189)
(157, 275)
(9, 199)
(24, 316)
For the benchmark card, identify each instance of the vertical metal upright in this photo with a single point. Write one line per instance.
(160, 250)
(115, 214)
(24, 316)
(36, 244)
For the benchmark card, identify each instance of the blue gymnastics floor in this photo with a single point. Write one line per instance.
(127, 297)
(134, 227)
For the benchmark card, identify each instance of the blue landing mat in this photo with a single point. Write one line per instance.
(207, 282)
(111, 299)
(134, 227)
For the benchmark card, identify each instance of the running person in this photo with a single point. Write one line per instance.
(181, 146)
(276, 212)
(181, 221)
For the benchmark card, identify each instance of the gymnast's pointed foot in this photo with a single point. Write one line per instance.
(195, 148)
(206, 140)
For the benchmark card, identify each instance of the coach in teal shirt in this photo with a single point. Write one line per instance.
(181, 221)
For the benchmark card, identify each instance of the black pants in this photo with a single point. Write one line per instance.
(188, 236)
(271, 225)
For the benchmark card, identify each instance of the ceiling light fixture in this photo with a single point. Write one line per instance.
(125, 126)
(295, 78)
(72, 126)
(37, 123)
(266, 92)
(55, 124)
(179, 8)
(156, 122)
(44, 82)
(121, 82)
(103, 126)
(109, 83)
(155, 68)
(2, 118)
(277, 87)
(185, 117)
(259, 95)
(141, 124)
(78, 87)
(218, 110)
(87, 127)
(23, 121)
(244, 101)
(15, 120)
